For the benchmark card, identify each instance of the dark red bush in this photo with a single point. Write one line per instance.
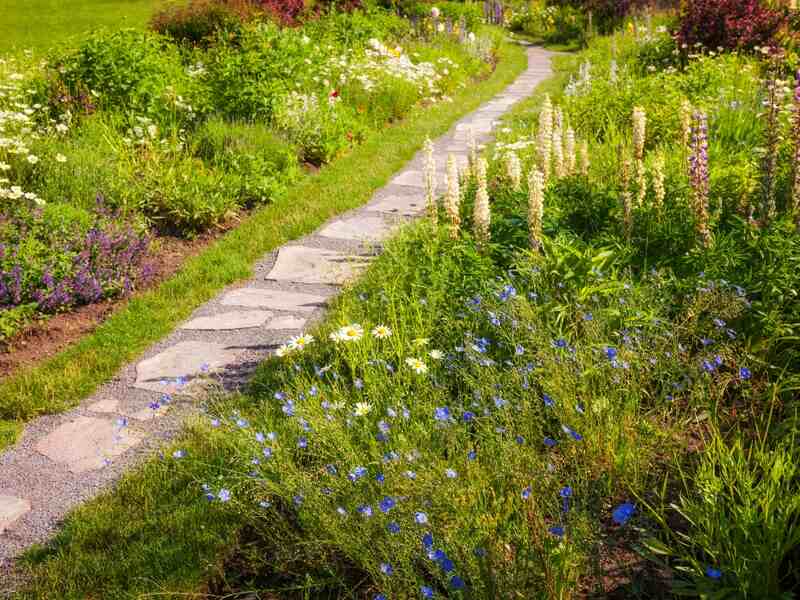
(199, 20)
(729, 24)
(289, 12)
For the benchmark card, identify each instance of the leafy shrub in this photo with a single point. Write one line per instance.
(200, 20)
(728, 24)
(129, 70)
(63, 256)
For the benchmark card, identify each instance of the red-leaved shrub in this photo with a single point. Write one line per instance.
(729, 24)
(289, 12)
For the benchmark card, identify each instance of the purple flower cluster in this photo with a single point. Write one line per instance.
(106, 261)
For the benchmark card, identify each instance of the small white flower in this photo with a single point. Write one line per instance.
(363, 409)
(282, 351)
(351, 333)
(417, 365)
(61, 158)
(32, 158)
(381, 332)
(436, 354)
(299, 342)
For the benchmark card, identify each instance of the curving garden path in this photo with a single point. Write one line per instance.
(65, 459)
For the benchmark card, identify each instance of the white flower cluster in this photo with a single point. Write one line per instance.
(21, 123)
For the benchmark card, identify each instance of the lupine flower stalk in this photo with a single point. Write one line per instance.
(613, 75)
(514, 170)
(639, 138)
(558, 143)
(472, 161)
(452, 198)
(584, 153)
(699, 175)
(430, 182)
(481, 217)
(535, 207)
(627, 198)
(569, 150)
(659, 187)
(545, 136)
(686, 123)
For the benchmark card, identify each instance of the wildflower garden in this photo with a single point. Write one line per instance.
(577, 376)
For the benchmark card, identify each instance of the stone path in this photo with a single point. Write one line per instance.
(68, 458)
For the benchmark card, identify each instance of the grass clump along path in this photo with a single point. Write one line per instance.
(200, 138)
(581, 380)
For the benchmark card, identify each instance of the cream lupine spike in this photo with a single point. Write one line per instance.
(558, 151)
(659, 187)
(481, 217)
(569, 150)
(545, 136)
(452, 198)
(535, 208)
(639, 138)
(430, 182)
(584, 159)
(514, 170)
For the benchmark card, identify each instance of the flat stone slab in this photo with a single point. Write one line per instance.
(87, 443)
(237, 319)
(184, 360)
(11, 509)
(286, 322)
(148, 414)
(360, 228)
(275, 299)
(407, 206)
(104, 406)
(414, 178)
(302, 264)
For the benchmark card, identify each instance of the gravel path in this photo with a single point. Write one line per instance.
(65, 459)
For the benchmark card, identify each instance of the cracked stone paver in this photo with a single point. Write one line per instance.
(304, 264)
(276, 299)
(359, 228)
(87, 443)
(185, 360)
(236, 319)
(63, 460)
(11, 509)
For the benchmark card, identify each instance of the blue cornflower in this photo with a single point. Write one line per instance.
(472, 455)
(622, 513)
(447, 565)
(457, 583)
(379, 597)
(468, 416)
(717, 361)
(298, 499)
(426, 591)
(365, 509)
(421, 518)
(357, 474)
(288, 408)
(519, 439)
(588, 317)
(179, 454)
(224, 495)
(387, 504)
(713, 573)
(260, 437)
(386, 569)
(526, 493)
(572, 433)
(499, 402)
(393, 527)
(267, 452)
(548, 401)
(380, 477)
(557, 531)
(427, 540)
(744, 373)
(565, 492)
(442, 413)
(611, 353)
(549, 442)
(507, 292)
(410, 474)
(302, 442)
(559, 343)
(451, 474)
(708, 367)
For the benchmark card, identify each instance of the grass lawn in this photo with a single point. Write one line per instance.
(39, 24)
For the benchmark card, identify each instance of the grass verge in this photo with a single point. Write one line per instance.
(64, 380)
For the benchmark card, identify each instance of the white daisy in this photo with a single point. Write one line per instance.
(436, 354)
(299, 342)
(351, 333)
(417, 365)
(362, 408)
(381, 332)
